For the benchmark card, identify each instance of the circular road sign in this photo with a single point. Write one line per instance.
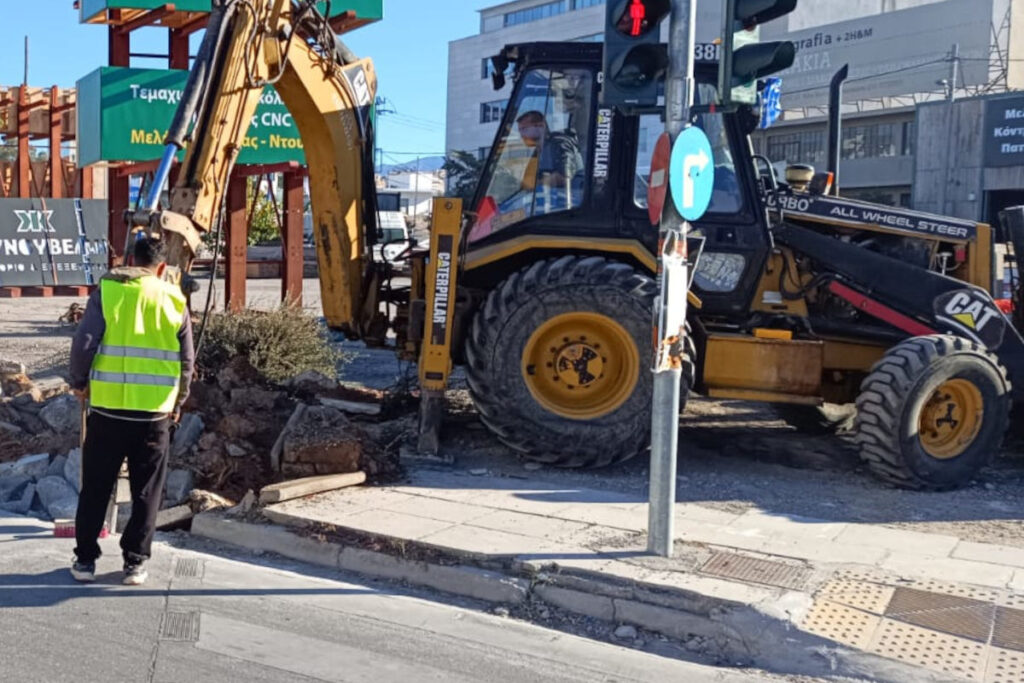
(691, 173)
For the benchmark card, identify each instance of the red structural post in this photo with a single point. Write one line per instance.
(237, 247)
(24, 131)
(177, 49)
(118, 193)
(56, 162)
(291, 239)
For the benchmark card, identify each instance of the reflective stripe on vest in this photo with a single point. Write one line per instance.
(138, 363)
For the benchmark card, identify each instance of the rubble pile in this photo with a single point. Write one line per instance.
(239, 432)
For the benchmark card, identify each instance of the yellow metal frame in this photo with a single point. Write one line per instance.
(435, 363)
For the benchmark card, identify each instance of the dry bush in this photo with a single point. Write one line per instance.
(279, 344)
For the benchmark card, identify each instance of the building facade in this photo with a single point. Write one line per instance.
(907, 60)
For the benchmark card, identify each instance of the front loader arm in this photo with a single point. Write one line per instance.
(327, 90)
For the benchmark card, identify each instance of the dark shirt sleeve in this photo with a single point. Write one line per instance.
(188, 357)
(86, 342)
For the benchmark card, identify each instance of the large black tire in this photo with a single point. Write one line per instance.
(900, 394)
(830, 418)
(497, 368)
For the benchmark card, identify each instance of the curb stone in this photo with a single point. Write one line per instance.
(751, 634)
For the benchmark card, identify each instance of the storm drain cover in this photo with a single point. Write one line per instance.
(756, 570)
(1009, 629)
(187, 567)
(905, 600)
(180, 626)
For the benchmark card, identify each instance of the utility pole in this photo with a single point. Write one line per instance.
(954, 74)
(416, 193)
(25, 80)
(670, 308)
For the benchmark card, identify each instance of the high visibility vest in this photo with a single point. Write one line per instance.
(138, 364)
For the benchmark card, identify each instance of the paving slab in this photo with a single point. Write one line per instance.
(932, 545)
(440, 509)
(948, 569)
(791, 526)
(395, 524)
(993, 554)
(537, 526)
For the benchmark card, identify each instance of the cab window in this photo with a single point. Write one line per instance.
(540, 164)
(726, 196)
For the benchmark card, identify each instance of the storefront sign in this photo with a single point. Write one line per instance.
(52, 242)
(1004, 131)
(123, 115)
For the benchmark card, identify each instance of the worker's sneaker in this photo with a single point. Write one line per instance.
(135, 573)
(84, 572)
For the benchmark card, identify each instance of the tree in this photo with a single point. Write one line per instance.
(463, 170)
(264, 225)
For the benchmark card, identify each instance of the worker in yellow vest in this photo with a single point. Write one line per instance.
(131, 359)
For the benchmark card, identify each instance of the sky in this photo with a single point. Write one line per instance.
(409, 48)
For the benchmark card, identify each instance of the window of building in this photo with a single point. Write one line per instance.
(481, 153)
(592, 38)
(487, 67)
(535, 13)
(583, 4)
(869, 141)
(907, 142)
(801, 147)
(492, 111)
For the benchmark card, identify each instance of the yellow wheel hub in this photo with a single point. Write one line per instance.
(581, 365)
(951, 419)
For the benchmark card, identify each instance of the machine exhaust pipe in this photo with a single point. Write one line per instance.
(1012, 221)
(835, 123)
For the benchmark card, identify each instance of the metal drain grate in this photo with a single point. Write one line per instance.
(1005, 666)
(870, 597)
(187, 567)
(935, 651)
(1009, 629)
(179, 626)
(906, 600)
(840, 623)
(967, 622)
(755, 570)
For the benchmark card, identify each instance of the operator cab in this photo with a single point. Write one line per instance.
(566, 170)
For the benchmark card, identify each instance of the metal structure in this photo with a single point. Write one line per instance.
(180, 25)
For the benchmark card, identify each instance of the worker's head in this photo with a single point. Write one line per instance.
(149, 252)
(532, 127)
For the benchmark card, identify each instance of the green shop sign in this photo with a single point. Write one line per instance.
(123, 115)
(94, 10)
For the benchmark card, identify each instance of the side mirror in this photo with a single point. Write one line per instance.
(499, 63)
(748, 118)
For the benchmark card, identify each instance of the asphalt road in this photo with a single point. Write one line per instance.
(205, 617)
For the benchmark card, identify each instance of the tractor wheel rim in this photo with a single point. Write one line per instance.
(581, 365)
(951, 419)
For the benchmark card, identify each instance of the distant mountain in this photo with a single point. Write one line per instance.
(426, 165)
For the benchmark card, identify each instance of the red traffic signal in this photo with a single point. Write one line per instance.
(635, 18)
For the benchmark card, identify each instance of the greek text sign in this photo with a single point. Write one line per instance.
(63, 242)
(1004, 131)
(124, 115)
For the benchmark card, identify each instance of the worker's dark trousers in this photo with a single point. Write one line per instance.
(108, 441)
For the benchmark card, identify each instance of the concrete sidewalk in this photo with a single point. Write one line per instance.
(786, 594)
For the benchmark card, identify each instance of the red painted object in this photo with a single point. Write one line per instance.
(879, 310)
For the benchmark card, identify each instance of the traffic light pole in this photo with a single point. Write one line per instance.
(670, 308)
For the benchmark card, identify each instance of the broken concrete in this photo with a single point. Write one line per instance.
(187, 434)
(177, 486)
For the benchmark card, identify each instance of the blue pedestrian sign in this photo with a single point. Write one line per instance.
(691, 173)
(770, 96)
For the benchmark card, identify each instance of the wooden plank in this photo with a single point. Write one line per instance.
(308, 486)
(237, 246)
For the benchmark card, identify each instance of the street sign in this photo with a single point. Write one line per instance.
(691, 173)
(657, 183)
(771, 109)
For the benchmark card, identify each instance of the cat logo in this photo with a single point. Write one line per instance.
(974, 314)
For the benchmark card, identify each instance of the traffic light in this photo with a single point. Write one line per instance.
(634, 58)
(744, 58)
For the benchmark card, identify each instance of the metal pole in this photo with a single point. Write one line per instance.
(950, 98)
(670, 308)
(25, 80)
(416, 193)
